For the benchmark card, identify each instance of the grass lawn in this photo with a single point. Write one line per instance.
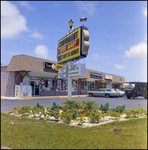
(28, 133)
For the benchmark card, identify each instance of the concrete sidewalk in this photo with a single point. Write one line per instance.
(41, 97)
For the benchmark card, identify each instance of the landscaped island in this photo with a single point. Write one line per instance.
(85, 114)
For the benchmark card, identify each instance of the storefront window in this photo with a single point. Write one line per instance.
(88, 86)
(84, 86)
(114, 86)
(62, 85)
(48, 85)
(92, 86)
(74, 85)
(101, 85)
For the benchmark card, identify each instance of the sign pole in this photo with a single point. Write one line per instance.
(69, 83)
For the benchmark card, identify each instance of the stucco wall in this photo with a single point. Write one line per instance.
(7, 82)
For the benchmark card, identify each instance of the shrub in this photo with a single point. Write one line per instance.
(25, 110)
(40, 106)
(142, 110)
(43, 112)
(54, 106)
(113, 114)
(95, 116)
(135, 112)
(35, 110)
(15, 109)
(105, 107)
(79, 105)
(80, 119)
(71, 104)
(119, 108)
(67, 115)
(89, 106)
(74, 114)
(132, 113)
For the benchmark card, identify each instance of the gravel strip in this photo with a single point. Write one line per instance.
(2, 147)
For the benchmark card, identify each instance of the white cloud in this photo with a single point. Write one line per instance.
(12, 23)
(89, 7)
(26, 5)
(96, 56)
(41, 51)
(144, 12)
(36, 35)
(137, 51)
(117, 66)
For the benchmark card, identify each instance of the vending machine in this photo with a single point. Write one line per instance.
(23, 90)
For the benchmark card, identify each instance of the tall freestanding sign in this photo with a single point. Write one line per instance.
(72, 47)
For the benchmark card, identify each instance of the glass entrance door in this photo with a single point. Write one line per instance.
(35, 88)
(32, 85)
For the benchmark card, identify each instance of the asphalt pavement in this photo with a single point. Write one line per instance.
(6, 104)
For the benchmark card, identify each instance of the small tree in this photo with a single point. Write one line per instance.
(105, 107)
(119, 108)
(54, 106)
(39, 106)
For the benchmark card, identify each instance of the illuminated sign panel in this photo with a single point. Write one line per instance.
(96, 75)
(109, 77)
(70, 46)
(52, 66)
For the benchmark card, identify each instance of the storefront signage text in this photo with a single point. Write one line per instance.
(50, 66)
(76, 70)
(96, 75)
(70, 46)
(34, 78)
(63, 72)
(109, 77)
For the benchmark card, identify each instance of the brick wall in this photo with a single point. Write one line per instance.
(7, 82)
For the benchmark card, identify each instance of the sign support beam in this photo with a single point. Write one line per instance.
(69, 83)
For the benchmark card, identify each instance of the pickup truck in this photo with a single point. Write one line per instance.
(104, 92)
(140, 89)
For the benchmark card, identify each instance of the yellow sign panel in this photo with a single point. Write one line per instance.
(69, 47)
(58, 66)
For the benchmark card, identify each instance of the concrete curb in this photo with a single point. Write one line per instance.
(13, 98)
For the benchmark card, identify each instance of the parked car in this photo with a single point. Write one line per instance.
(104, 92)
(120, 91)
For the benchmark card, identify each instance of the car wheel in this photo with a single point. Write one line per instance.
(90, 94)
(107, 95)
(134, 96)
(128, 97)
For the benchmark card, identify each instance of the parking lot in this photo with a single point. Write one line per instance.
(113, 102)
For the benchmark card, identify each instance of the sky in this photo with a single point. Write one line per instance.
(117, 29)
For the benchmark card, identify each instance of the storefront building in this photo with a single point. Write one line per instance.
(24, 69)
